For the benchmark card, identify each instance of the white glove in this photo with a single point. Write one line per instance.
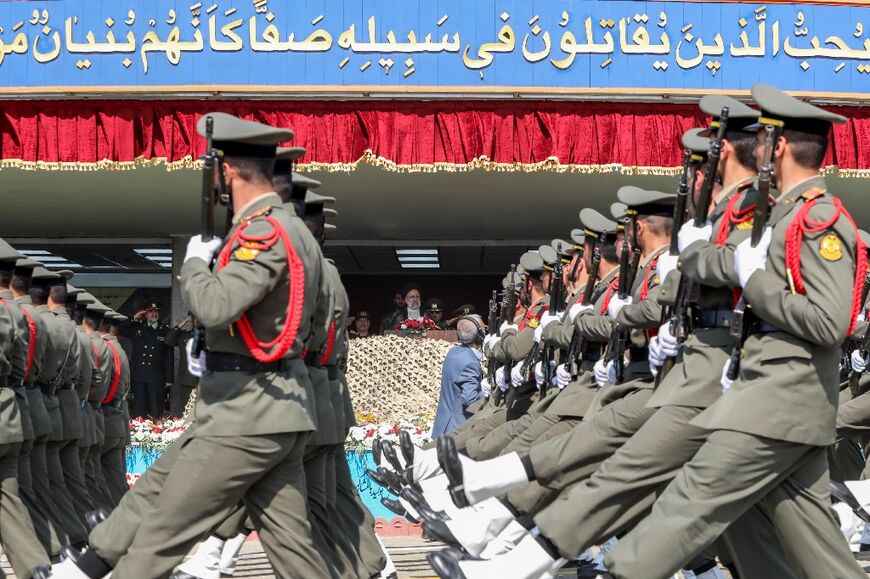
(485, 386)
(748, 259)
(549, 318)
(491, 341)
(195, 365)
(506, 326)
(859, 362)
(616, 304)
(605, 373)
(862, 316)
(517, 375)
(563, 376)
(665, 265)
(539, 333)
(539, 374)
(724, 380)
(576, 310)
(689, 234)
(205, 250)
(500, 379)
(668, 342)
(656, 357)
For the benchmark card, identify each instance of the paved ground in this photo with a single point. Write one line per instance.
(409, 556)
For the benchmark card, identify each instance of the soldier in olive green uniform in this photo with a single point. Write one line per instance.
(61, 361)
(112, 463)
(17, 532)
(254, 409)
(34, 456)
(769, 431)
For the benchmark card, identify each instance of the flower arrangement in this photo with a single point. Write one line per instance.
(360, 438)
(417, 327)
(154, 434)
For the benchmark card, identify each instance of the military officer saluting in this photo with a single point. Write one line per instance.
(152, 365)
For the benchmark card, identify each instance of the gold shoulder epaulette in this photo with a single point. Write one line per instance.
(813, 193)
(258, 213)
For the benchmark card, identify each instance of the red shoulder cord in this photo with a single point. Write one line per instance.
(284, 341)
(802, 225)
(608, 295)
(330, 344)
(31, 349)
(644, 290)
(117, 377)
(731, 218)
(529, 316)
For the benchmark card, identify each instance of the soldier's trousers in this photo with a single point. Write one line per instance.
(209, 477)
(74, 477)
(485, 445)
(39, 480)
(49, 533)
(113, 468)
(72, 523)
(97, 484)
(485, 424)
(576, 454)
(330, 544)
(623, 489)
(357, 522)
(730, 473)
(17, 533)
(853, 424)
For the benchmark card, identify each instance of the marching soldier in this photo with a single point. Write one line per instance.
(112, 463)
(17, 530)
(254, 408)
(770, 431)
(61, 363)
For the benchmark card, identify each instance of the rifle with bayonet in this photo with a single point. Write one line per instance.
(556, 303)
(680, 324)
(680, 213)
(740, 326)
(492, 324)
(622, 292)
(211, 163)
(622, 335)
(579, 344)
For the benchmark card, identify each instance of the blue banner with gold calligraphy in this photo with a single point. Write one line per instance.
(533, 46)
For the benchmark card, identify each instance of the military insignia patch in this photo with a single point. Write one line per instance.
(246, 253)
(745, 224)
(533, 323)
(831, 247)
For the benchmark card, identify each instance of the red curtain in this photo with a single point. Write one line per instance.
(399, 135)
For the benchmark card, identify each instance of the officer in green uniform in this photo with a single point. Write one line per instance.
(434, 309)
(255, 409)
(116, 426)
(60, 362)
(769, 431)
(34, 456)
(19, 539)
(73, 455)
(105, 363)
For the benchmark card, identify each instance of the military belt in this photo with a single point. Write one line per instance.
(66, 387)
(221, 362)
(31, 386)
(332, 372)
(765, 328)
(114, 403)
(95, 404)
(712, 318)
(313, 359)
(47, 389)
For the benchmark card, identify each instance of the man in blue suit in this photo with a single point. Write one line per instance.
(461, 377)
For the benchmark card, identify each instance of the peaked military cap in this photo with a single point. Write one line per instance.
(783, 110)
(865, 237)
(71, 290)
(66, 274)
(618, 211)
(363, 314)
(98, 307)
(119, 318)
(8, 253)
(300, 180)
(434, 305)
(285, 157)
(240, 138)
(330, 212)
(41, 274)
(85, 298)
(695, 141)
(548, 256)
(644, 202)
(312, 198)
(329, 227)
(738, 113)
(25, 266)
(465, 310)
(564, 248)
(578, 236)
(532, 263)
(595, 224)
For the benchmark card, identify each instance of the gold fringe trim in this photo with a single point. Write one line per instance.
(550, 164)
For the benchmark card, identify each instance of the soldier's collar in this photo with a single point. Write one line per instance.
(266, 200)
(7, 293)
(815, 182)
(740, 185)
